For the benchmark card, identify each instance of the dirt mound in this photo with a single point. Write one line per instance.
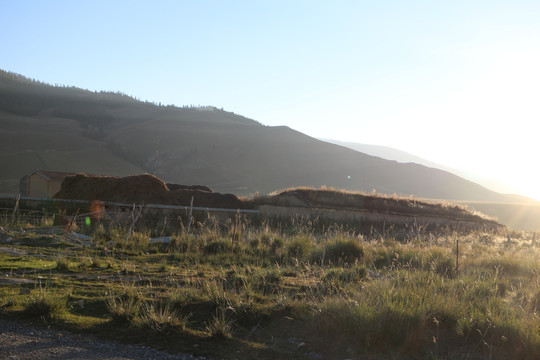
(339, 199)
(140, 189)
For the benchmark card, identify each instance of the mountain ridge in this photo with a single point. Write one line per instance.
(76, 130)
(390, 153)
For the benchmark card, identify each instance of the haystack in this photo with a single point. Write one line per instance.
(130, 189)
(207, 199)
(140, 189)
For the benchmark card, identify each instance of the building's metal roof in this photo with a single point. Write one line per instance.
(51, 175)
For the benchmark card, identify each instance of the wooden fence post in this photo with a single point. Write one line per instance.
(70, 226)
(457, 257)
(15, 214)
(134, 218)
(190, 216)
(324, 250)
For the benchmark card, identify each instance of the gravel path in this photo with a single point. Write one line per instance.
(21, 341)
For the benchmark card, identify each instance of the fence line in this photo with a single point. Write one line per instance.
(285, 210)
(147, 206)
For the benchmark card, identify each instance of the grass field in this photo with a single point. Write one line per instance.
(237, 290)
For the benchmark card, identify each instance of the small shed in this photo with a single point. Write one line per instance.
(42, 183)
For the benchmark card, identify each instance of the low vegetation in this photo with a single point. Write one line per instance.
(344, 199)
(238, 290)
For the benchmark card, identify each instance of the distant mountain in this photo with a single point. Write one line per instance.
(69, 129)
(390, 153)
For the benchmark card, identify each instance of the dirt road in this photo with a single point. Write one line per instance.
(22, 341)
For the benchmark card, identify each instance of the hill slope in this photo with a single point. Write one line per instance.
(390, 153)
(69, 129)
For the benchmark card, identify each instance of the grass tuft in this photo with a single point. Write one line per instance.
(46, 305)
(123, 309)
(220, 326)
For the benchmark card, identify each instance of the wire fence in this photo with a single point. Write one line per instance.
(58, 214)
(65, 214)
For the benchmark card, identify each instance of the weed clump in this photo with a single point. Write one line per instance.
(300, 246)
(123, 309)
(217, 246)
(161, 318)
(220, 326)
(62, 264)
(345, 275)
(46, 305)
(277, 244)
(183, 243)
(344, 252)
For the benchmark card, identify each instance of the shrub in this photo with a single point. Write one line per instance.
(102, 234)
(380, 327)
(507, 266)
(220, 326)
(87, 262)
(183, 243)
(164, 268)
(254, 243)
(138, 242)
(346, 275)
(161, 318)
(62, 264)
(45, 305)
(300, 246)
(273, 276)
(218, 246)
(265, 238)
(277, 244)
(534, 304)
(123, 309)
(236, 281)
(344, 251)
(442, 263)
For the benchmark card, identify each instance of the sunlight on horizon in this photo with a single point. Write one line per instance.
(480, 121)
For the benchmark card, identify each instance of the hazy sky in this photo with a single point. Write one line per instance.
(456, 82)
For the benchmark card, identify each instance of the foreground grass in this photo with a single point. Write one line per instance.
(260, 293)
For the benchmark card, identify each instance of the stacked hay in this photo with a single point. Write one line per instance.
(130, 189)
(207, 199)
(139, 189)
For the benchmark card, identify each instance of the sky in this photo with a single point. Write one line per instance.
(456, 82)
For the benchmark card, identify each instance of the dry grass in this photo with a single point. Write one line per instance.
(338, 198)
(374, 297)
